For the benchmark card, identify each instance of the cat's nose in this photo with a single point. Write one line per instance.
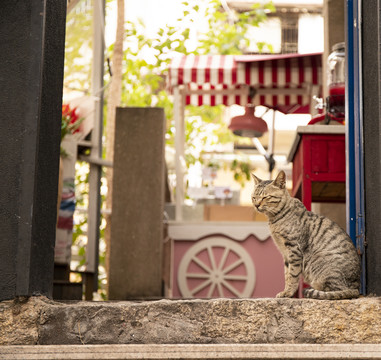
(256, 203)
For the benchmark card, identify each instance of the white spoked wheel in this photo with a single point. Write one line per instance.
(216, 267)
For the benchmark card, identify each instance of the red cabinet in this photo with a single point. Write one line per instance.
(318, 157)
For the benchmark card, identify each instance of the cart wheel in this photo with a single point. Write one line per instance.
(216, 267)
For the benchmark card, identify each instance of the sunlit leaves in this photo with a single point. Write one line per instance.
(78, 50)
(227, 33)
(241, 171)
(147, 58)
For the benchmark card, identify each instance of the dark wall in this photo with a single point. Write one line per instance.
(32, 35)
(371, 52)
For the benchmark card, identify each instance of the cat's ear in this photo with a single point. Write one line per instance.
(256, 179)
(280, 180)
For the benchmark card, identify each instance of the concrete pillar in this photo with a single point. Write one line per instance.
(32, 38)
(138, 203)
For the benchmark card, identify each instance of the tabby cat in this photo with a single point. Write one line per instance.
(312, 245)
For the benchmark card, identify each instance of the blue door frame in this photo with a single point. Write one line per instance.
(354, 133)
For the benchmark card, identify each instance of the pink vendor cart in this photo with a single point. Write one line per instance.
(233, 259)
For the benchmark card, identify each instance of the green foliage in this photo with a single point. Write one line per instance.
(227, 34)
(144, 76)
(144, 83)
(78, 46)
(204, 127)
(80, 224)
(144, 80)
(241, 171)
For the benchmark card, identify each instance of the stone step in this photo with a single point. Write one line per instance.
(192, 351)
(39, 321)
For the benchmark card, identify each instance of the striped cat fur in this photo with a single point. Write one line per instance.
(312, 245)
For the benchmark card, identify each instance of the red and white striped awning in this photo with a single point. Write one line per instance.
(282, 82)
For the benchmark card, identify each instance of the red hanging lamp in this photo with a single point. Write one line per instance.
(248, 125)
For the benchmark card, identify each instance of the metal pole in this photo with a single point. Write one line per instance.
(354, 133)
(259, 146)
(92, 256)
(349, 126)
(272, 143)
(272, 134)
(179, 147)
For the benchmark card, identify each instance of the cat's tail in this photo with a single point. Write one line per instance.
(331, 295)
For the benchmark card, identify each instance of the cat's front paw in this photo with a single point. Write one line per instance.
(284, 294)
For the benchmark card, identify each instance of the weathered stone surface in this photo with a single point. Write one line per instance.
(19, 321)
(219, 321)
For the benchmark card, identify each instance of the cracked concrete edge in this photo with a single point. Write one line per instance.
(192, 351)
(218, 321)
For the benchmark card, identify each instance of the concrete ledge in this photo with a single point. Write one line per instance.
(171, 352)
(38, 321)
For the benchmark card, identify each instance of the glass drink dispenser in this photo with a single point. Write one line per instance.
(336, 83)
(335, 101)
